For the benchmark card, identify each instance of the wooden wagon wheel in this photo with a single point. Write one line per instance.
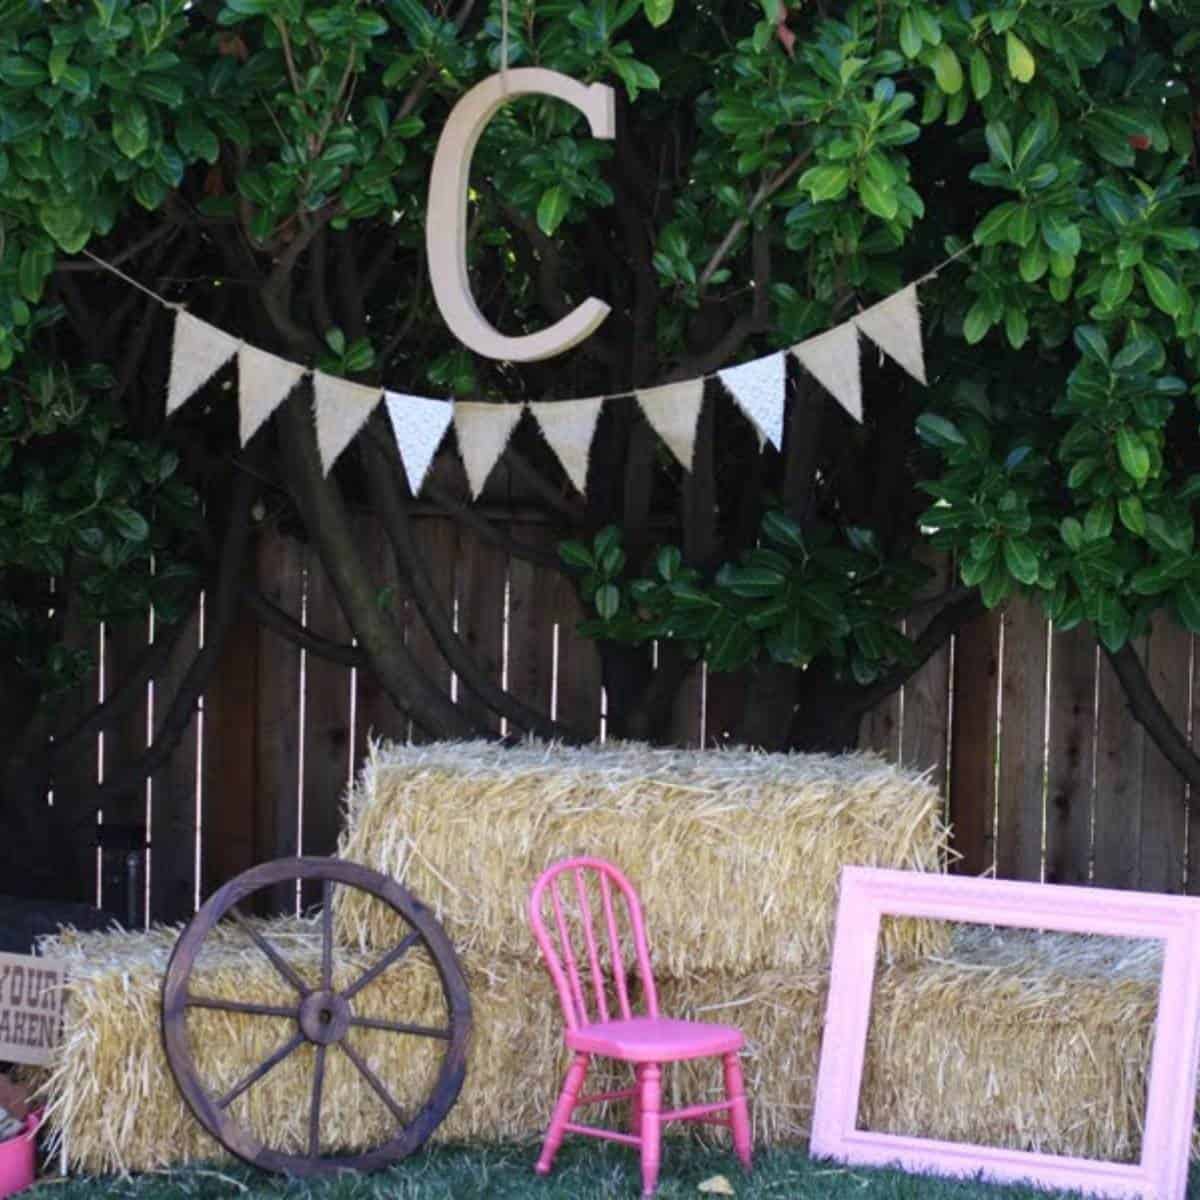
(323, 1016)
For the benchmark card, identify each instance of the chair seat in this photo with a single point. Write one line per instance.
(655, 1039)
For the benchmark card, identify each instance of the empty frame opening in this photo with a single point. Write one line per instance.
(1014, 1038)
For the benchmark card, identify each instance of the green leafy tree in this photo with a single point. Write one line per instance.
(775, 166)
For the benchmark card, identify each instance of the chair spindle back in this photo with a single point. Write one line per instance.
(567, 968)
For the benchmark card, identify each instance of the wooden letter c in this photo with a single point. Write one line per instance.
(446, 215)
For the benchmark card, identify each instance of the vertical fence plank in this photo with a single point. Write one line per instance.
(482, 576)
(1163, 831)
(1020, 795)
(1120, 758)
(973, 748)
(880, 728)
(281, 562)
(375, 715)
(230, 753)
(173, 790)
(327, 740)
(579, 669)
(1071, 755)
(925, 731)
(125, 816)
(531, 622)
(687, 714)
(437, 544)
(76, 773)
(724, 706)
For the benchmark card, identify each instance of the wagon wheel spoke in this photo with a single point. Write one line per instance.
(314, 1112)
(263, 1067)
(327, 935)
(394, 955)
(239, 1006)
(277, 961)
(400, 1027)
(373, 1079)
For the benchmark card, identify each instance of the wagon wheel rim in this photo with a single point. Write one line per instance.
(323, 1017)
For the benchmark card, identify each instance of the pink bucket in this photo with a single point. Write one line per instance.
(16, 1159)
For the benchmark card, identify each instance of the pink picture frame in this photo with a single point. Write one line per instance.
(868, 894)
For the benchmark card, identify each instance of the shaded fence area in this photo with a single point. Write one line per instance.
(1025, 729)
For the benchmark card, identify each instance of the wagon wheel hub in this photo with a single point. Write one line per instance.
(324, 1017)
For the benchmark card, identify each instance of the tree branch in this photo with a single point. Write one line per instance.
(382, 475)
(323, 510)
(488, 532)
(766, 190)
(219, 615)
(283, 623)
(1147, 710)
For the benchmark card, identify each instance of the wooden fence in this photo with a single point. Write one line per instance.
(1025, 729)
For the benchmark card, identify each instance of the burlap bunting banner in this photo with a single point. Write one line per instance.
(341, 409)
(419, 423)
(673, 410)
(483, 431)
(568, 426)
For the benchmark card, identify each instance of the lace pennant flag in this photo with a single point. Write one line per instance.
(198, 352)
(758, 388)
(340, 409)
(894, 325)
(673, 410)
(483, 431)
(568, 425)
(419, 425)
(832, 359)
(264, 383)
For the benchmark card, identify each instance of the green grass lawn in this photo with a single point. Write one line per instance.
(582, 1172)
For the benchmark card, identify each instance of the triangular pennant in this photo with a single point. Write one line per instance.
(832, 359)
(758, 388)
(673, 410)
(894, 325)
(483, 431)
(198, 352)
(419, 425)
(568, 425)
(340, 408)
(264, 382)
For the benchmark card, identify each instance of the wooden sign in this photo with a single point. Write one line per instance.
(32, 998)
(446, 215)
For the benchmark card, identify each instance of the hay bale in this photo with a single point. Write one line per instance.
(1036, 1041)
(736, 854)
(110, 1089)
(1008, 1039)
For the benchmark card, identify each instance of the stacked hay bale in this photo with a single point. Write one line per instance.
(1001, 1038)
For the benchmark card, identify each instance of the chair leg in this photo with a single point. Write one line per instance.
(651, 1106)
(635, 1122)
(563, 1108)
(739, 1116)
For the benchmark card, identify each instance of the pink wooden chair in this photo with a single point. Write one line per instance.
(645, 1041)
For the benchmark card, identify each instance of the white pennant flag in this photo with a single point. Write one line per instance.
(568, 425)
(832, 359)
(483, 432)
(419, 425)
(758, 388)
(340, 408)
(894, 325)
(198, 352)
(673, 410)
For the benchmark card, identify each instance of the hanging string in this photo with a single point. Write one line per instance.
(141, 287)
